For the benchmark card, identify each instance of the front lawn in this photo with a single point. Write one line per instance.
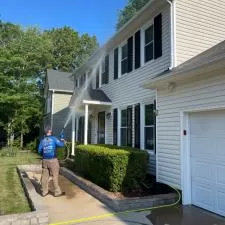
(12, 198)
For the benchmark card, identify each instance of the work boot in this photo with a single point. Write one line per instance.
(59, 195)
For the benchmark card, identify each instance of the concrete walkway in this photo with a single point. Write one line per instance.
(78, 204)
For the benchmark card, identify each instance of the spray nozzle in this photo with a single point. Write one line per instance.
(61, 136)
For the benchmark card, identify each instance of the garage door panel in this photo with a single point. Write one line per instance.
(207, 145)
(202, 145)
(203, 196)
(220, 174)
(202, 172)
(221, 202)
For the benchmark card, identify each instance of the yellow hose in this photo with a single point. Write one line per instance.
(119, 213)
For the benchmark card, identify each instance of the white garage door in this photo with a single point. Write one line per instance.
(207, 144)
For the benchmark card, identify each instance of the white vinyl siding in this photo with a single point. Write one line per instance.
(199, 26)
(206, 93)
(127, 90)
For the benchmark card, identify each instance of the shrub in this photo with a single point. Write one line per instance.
(113, 168)
(8, 151)
(63, 152)
(32, 145)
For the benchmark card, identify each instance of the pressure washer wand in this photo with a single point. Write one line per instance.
(61, 136)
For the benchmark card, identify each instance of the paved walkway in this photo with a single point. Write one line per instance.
(78, 204)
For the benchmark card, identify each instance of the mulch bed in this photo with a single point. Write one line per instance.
(147, 188)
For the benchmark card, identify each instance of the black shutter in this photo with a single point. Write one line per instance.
(97, 78)
(158, 36)
(137, 126)
(129, 126)
(115, 122)
(130, 54)
(107, 69)
(116, 60)
(154, 107)
(137, 49)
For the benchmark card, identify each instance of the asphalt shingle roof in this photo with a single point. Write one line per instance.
(95, 95)
(60, 80)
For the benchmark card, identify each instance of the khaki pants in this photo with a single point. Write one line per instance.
(50, 167)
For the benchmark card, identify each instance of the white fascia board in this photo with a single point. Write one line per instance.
(95, 102)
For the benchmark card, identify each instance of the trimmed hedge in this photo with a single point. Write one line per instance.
(111, 167)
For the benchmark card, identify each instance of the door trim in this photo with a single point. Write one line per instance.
(186, 150)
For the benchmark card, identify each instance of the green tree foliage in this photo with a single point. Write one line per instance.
(69, 49)
(132, 7)
(25, 55)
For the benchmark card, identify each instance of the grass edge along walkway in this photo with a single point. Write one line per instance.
(13, 199)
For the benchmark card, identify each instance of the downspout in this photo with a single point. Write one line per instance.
(52, 111)
(172, 33)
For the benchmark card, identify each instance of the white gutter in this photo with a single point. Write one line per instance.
(173, 62)
(55, 90)
(52, 109)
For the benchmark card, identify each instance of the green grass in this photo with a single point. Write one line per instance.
(12, 197)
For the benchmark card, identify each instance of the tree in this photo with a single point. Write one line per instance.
(69, 50)
(132, 7)
(25, 56)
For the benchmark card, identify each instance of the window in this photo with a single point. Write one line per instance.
(124, 59)
(126, 126)
(149, 43)
(149, 128)
(123, 129)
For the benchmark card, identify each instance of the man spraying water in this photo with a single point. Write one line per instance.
(50, 163)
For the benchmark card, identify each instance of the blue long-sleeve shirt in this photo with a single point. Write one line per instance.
(47, 147)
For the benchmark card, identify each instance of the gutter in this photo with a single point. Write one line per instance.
(173, 62)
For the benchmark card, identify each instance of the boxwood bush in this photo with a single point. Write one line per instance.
(111, 167)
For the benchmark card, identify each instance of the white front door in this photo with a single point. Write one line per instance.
(207, 154)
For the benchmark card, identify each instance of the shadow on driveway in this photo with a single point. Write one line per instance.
(184, 215)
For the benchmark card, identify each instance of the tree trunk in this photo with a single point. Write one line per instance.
(21, 140)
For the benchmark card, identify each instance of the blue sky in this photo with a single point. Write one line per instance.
(85, 16)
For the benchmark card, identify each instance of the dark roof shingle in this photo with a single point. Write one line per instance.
(62, 81)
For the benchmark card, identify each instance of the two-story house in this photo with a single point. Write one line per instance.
(112, 103)
(59, 87)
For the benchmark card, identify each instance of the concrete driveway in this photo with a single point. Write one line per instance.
(184, 215)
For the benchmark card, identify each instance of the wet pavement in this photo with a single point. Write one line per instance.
(184, 215)
(78, 204)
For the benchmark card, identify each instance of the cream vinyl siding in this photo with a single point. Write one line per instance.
(199, 26)
(199, 94)
(60, 114)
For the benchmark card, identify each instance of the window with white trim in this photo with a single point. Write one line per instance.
(149, 43)
(149, 127)
(124, 59)
(123, 128)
